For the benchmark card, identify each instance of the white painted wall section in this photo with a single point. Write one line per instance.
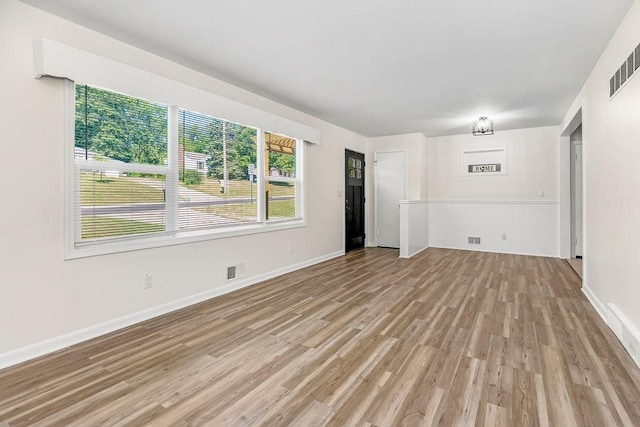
(611, 178)
(518, 227)
(515, 212)
(414, 227)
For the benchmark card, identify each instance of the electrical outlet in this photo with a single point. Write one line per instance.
(148, 281)
(504, 236)
(290, 248)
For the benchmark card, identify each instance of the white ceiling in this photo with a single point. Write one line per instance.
(378, 67)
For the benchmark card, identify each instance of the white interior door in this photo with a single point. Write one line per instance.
(389, 190)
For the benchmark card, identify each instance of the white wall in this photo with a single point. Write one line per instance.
(41, 295)
(532, 166)
(611, 155)
(414, 227)
(488, 206)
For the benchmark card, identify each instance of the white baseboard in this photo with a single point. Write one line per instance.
(625, 331)
(414, 253)
(621, 326)
(466, 248)
(41, 348)
(595, 302)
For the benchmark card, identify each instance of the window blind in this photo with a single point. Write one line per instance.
(120, 149)
(225, 192)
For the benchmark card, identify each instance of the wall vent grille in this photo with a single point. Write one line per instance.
(623, 74)
(473, 240)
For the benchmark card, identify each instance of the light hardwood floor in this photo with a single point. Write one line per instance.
(448, 337)
(576, 264)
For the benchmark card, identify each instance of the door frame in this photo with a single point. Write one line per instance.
(572, 120)
(344, 198)
(573, 208)
(405, 153)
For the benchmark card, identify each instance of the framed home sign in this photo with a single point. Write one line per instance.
(484, 161)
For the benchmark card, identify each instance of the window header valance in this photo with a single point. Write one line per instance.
(59, 60)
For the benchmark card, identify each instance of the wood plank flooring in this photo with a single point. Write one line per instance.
(576, 264)
(445, 338)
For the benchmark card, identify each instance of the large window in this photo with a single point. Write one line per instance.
(152, 173)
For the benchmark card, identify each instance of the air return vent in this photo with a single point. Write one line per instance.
(625, 72)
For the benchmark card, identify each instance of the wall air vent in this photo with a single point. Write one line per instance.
(473, 240)
(623, 74)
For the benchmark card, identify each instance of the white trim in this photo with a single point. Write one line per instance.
(63, 341)
(261, 187)
(301, 183)
(573, 117)
(464, 248)
(139, 242)
(172, 179)
(595, 302)
(414, 202)
(564, 183)
(625, 331)
(414, 254)
(570, 122)
(615, 320)
(71, 180)
(55, 59)
(497, 202)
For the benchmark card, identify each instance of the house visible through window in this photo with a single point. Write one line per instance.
(129, 185)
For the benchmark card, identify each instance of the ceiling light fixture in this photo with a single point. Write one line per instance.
(482, 126)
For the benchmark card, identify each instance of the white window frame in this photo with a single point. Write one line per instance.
(172, 235)
(298, 181)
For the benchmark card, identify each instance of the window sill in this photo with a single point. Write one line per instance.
(179, 238)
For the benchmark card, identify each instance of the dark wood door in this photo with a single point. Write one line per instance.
(354, 199)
